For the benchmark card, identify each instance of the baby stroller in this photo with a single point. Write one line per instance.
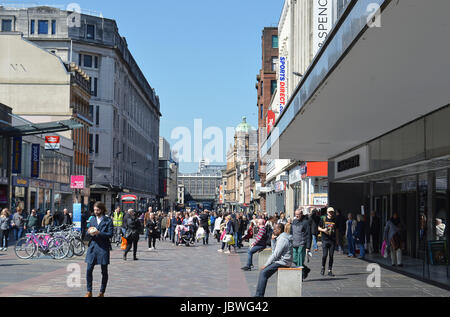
(185, 235)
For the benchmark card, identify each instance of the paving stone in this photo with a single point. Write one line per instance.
(200, 271)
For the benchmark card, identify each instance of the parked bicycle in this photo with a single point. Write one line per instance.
(55, 246)
(77, 246)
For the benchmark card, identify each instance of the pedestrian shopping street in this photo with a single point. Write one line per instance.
(199, 271)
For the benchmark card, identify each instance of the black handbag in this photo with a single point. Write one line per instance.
(128, 234)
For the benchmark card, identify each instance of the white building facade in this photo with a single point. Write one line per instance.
(302, 28)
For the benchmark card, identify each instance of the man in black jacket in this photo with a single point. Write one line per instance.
(314, 220)
(132, 226)
(340, 230)
(375, 227)
(301, 234)
(66, 218)
(204, 224)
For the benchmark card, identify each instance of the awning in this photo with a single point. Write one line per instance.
(98, 186)
(40, 128)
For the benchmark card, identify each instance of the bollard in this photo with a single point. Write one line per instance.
(289, 282)
(263, 256)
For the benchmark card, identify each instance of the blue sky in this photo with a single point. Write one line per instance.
(201, 56)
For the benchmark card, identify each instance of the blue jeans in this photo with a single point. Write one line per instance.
(18, 233)
(252, 251)
(172, 234)
(362, 250)
(314, 238)
(351, 245)
(264, 275)
(237, 239)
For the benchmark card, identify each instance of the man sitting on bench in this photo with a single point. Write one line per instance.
(281, 257)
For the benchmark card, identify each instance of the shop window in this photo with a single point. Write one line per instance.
(441, 205)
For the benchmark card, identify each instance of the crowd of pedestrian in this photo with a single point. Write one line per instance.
(292, 240)
(16, 225)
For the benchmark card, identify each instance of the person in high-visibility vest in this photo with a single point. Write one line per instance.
(118, 219)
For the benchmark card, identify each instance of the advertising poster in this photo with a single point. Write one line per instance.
(35, 160)
(437, 252)
(17, 155)
(77, 216)
(77, 182)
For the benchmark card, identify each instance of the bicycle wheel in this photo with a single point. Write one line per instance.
(78, 246)
(58, 248)
(25, 248)
(70, 254)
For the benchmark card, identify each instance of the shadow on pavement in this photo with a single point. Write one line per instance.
(5, 265)
(325, 279)
(349, 274)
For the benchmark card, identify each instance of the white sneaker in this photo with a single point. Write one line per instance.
(150, 249)
(221, 251)
(227, 252)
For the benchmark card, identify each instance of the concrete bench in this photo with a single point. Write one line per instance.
(263, 256)
(289, 282)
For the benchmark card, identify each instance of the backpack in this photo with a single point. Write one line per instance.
(269, 232)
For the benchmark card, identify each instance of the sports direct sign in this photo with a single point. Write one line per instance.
(282, 85)
(52, 143)
(77, 182)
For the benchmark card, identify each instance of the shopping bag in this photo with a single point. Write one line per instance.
(200, 233)
(222, 236)
(227, 238)
(124, 244)
(230, 239)
(384, 252)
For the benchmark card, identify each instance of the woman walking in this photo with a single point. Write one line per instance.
(153, 233)
(217, 224)
(5, 223)
(132, 226)
(229, 230)
(393, 238)
(350, 231)
(101, 230)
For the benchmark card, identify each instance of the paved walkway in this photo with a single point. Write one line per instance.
(198, 271)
